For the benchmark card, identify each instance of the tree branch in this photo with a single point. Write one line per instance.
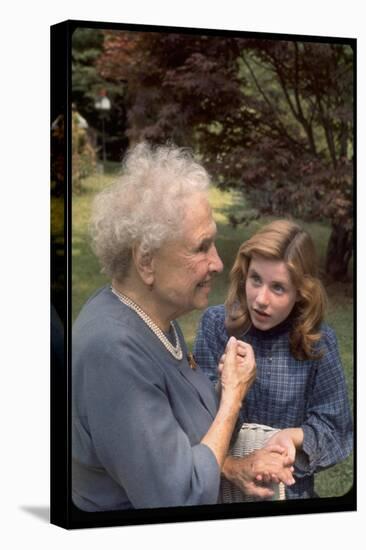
(278, 125)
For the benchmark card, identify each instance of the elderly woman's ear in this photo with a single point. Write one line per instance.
(143, 262)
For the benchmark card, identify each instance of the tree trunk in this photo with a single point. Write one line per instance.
(339, 253)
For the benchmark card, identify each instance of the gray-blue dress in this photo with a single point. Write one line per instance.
(138, 416)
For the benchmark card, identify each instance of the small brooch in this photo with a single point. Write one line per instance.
(191, 361)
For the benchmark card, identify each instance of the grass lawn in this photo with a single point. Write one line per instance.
(86, 278)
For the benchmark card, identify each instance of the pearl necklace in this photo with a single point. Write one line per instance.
(175, 351)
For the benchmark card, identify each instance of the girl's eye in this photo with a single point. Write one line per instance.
(279, 289)
(255, 279)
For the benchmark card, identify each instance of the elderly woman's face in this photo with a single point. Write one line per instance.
(183, 269)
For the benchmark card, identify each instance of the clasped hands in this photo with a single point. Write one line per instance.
(253, 473)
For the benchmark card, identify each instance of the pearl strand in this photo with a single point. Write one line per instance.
(175, 351)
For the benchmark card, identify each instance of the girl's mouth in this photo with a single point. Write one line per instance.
(261, 313)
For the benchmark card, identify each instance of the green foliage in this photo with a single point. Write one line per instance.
(86, 276)
(272, 118)
(83, 154)
(88, 84)
(87, 46)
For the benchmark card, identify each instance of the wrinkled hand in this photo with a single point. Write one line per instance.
(237, 367)
(251, 472)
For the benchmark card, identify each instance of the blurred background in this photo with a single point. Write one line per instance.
(272, 120)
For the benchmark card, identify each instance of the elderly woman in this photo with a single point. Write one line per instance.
(148, 428)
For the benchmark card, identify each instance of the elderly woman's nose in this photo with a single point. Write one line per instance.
(215, 261)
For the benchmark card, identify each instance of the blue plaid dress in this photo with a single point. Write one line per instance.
(310, 394)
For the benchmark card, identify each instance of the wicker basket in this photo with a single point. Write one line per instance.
(250, 438)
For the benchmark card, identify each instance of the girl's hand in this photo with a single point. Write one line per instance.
(289, 438)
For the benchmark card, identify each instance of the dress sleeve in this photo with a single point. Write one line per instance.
(136, 435)
(210, 341)
(328, 430)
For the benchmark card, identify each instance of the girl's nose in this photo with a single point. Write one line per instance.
(263, 297)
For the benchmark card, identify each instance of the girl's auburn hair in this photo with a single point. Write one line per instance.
(286, 241)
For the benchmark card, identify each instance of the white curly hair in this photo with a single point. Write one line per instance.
(145, 206)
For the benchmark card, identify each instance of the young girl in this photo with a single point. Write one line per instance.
(276, 303)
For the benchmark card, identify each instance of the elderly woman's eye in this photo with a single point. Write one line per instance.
(204, 247)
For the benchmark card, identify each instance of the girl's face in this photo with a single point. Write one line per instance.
(270, 293)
